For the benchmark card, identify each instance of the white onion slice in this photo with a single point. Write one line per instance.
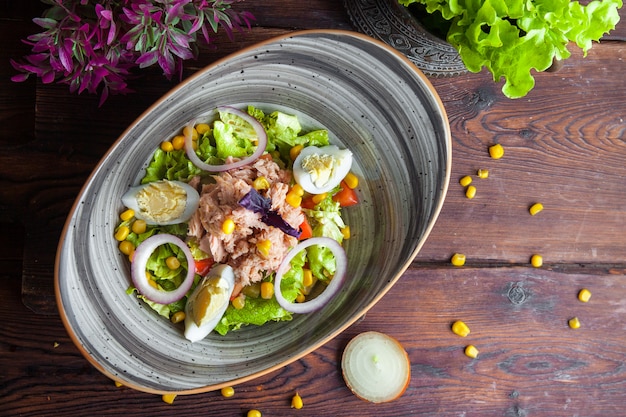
(260, 149)
(341, 265)
(138, 269)
(376, 367)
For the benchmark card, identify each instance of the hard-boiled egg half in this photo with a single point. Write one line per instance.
(321, 169)
(208, 301)
(162, 202)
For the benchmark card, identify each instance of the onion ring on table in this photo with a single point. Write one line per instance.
(260, 149)
(138, 269)
(341, 265)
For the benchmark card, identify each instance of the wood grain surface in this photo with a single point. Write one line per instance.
(564, 146)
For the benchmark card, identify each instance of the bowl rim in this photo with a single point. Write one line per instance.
(436, 211)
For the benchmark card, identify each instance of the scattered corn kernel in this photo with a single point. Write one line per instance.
(496, 151)
(139, 226)
(345, 232)
(536, 261)
(172, 262)
(122, 233)
(574, 323)
(471, 351)
(126, 247)
(264, 247)
(307, 277)
(254, 413)
(460, 328)
(293, 199)
(297, 189)
(239, 302)
(535, 208)
(470, 192)
(584, 295)
(296, 402)
(267, 290)
(178, 317)
(465, 181)
(166, 146)
(295, 151)
(188, 130)
(228, 226)
(482, 173)
(169, 398)
(318, 198)
(152, 282)
(127, 215)
(351, 180)
(300, 298)
(260, 183)
(458, 259)
(118, 384)
(178, 142)
(228, 392)
(202, 128)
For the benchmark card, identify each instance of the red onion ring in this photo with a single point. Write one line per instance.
(138, 269)
(260, 149)
(332, 288)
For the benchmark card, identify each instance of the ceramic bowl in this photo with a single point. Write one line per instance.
(372, 100)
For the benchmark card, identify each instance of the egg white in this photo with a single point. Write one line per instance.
(341, 168)
(129, 199)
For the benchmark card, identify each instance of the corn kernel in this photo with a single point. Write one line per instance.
(293, 199)
(260, 183)
(178, 317)
(471, 351)
(295, 151)
(228, 226)
(351, 180)
(188, 130)
(168, 398)
(496, 151)
(297, 189)
(584, 295)
(127, 215)
(318, 198)
(172, 263)
(574, 323)
(535, 208)
(482, 173)
(470, 192)
(126, 247)
(166, 146)
(202, 128)
(267, 290)
(122, 233)
(227, 392)
(264, 247)
(458, 259)
(307, 277)
(296, 402)
(139, 226)
(300, 298)
(254, 413)
(465, 181)
(345, 232)
(178, 142)
(460, 328)
(118, 384)
(239, 302)
(536, 261)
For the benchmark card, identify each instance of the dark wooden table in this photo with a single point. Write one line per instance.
(565, 147)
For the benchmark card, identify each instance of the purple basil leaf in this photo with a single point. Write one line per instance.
(257, 203)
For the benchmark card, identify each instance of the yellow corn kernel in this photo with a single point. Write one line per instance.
(307, 277)
(153, 283)
(351, 180)
(300, 298)
(118, 384)
(254, 413)
(127, 215)
(293, 199)
(166, 146)
(318, 198)
(471, 351)
(297, 189)
(536, 261)
(228, 226)
(345, 232)
(574, 323)
(267, 290)
(535, 208)
(139, 226)
(260, 183)
(172, 262)
(122, 233)
(465, 181)
(458, 259)
(227, 392)
(496, 151)
(126, 247)
(188, 130)
(178, 317)
(584, 295)
(460, 328)
(168, 398)
(295, 151)
(202, 128)
(178, 142)
(482, 173)
(264, 247)
(470, 192)
(239, 302)
(296, 402)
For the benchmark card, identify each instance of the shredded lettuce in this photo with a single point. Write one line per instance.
(512, 37)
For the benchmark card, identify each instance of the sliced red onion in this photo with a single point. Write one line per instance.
(138, 269)
(341, 265)
(261, 145)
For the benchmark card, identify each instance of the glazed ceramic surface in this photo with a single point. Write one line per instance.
(373, 101)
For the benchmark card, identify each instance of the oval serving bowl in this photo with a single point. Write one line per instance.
(372, 100)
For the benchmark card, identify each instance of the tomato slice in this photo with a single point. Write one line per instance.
(346, 196)
(203, 266)
(305, 229)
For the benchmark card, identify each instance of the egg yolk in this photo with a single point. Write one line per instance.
(208, 301)
(162, 201)
(319, 167)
